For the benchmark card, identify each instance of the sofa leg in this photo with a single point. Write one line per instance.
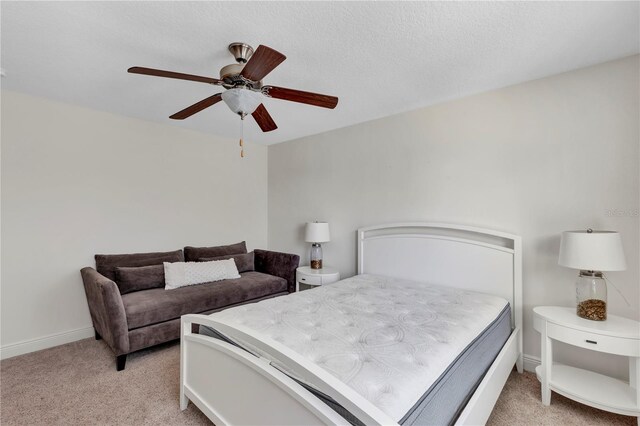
(121, 360)
(98, 336)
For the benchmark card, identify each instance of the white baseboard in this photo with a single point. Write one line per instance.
(531, 362)
(32, 345)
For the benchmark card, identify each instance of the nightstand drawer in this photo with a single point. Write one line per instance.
(310, 279)
(593, 341)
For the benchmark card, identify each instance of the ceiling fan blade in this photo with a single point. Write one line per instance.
(197, 107)
(263, 118)
(171, 74)
(324, 101)
(261, 63)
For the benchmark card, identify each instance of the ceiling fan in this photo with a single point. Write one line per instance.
(243, 83)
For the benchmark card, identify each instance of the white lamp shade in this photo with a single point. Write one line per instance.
(317, 232)
(243, 101)
(592, 251)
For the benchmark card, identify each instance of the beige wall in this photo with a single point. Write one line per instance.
(534, 159)
(76, 182)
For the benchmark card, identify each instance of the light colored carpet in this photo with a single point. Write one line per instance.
(77, 384)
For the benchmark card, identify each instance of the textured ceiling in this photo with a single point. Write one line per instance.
(380, 58)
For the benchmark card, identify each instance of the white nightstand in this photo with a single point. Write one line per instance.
(308, 276)
(616, 335)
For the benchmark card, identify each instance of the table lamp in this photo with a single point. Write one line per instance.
(591, 252)
(316, 233)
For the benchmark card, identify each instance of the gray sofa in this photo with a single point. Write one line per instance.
(130, 317)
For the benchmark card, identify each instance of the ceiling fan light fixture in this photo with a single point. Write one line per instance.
(242, 101)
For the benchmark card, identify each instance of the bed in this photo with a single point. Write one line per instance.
(292, 360)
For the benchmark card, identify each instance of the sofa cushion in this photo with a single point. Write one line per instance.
(157, 305)
(136, 278)
(106, 264)
(244, 262)
(192, 254)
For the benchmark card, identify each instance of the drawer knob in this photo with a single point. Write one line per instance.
(302, 279)
(592, 342)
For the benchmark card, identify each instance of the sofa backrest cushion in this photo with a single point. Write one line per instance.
(192, 254)
(244, 262)
(106, 264)
(136, 278)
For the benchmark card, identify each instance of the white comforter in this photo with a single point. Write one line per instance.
(388, 339)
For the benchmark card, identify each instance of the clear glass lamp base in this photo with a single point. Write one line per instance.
(316, 256)
(591, 296)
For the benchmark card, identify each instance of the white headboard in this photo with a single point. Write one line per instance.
(450, 255)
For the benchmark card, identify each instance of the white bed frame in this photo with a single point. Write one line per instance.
(234, 387)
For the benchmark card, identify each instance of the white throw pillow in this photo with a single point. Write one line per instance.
(180, 274)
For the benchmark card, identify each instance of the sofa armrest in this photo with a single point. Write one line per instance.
(107, 310)
(281, 265)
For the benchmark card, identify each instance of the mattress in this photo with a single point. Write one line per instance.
(412, 349)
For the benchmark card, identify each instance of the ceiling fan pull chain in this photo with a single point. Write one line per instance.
(241, 137)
